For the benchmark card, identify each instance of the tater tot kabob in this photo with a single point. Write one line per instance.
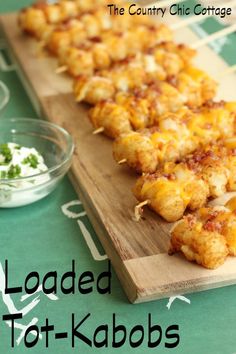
(100, 25)
(144, 107)
(62, 30)
(164, 60)
(42, 17)
(208, 236)
(175, 136)
(134, 110)
(120, 46)
(207, 173)
(109, 47)
(191, 86)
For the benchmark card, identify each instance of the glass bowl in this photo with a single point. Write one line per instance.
(4, 96)
(55, 145)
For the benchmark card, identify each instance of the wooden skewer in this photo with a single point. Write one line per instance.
(195, 19)
(98, 131)
(188, 22)
(222, 33)
(139, 209)
(122, 161)
(227, 71)
(222, 200)
(61, 69)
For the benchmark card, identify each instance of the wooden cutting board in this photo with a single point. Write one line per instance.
(138, 250)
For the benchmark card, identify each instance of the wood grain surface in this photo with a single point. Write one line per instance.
(138, 250)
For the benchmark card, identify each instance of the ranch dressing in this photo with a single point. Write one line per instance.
(18, 162)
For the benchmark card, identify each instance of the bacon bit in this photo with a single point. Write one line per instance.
(153, 129)
(153, 176)
(125, 60)
(138, 94)
(190, 219)
(202, 157)
(213, 226)
(154, 86)
(150, 50)
(181, 46)
(213, 104)
(119, 34)
(172, 177)
(105, 101)
(151, 28)
(164, 43)
(172, 80)
(62, 27)
(192, 165)
(96, 39)
(169, 176)
(67, 22)
(213, 214)
(79, 77)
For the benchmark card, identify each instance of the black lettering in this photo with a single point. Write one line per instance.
(28, 278)
(137, 343)
(111, 6)
(170, 335)
(197, 9)
(12, 317)
(103, 329)
(105, 276)
(53, 288)
(115, 10)
(71, 276)
(8, 290)
(116, 329)
(76, 334)
(222, 12)
(83, 281)
(187, 11)
(131, 12)
(47, 328)
(151, 330)
(173, 9)
(30, 344)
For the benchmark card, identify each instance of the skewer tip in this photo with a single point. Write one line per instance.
(122, 161)
(138, 210)
(98, 131)
(61, 69)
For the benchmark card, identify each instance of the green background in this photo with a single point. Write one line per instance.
(40, 237)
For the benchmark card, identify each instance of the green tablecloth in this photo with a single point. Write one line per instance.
(48, 235)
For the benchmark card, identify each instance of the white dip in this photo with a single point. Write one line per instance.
(17, 162)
